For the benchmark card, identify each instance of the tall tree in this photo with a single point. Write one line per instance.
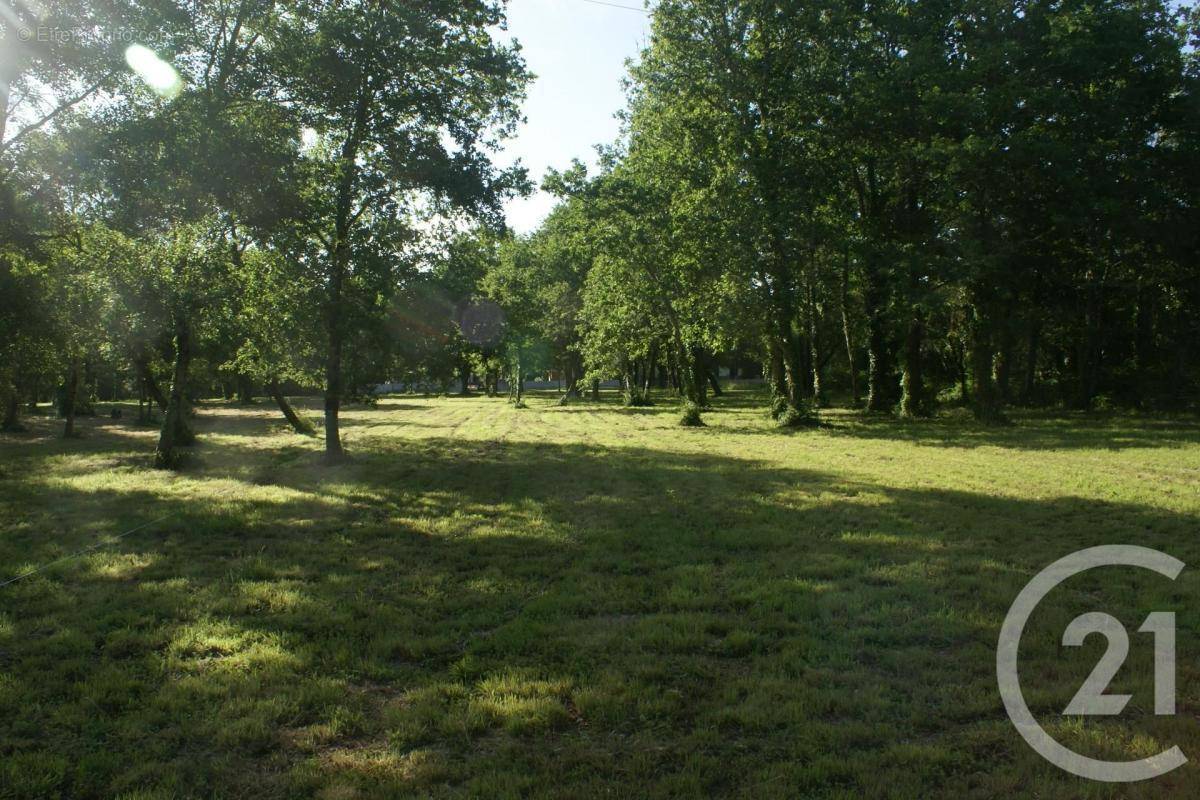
(408, 100)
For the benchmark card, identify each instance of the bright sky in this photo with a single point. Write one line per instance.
(577, 50)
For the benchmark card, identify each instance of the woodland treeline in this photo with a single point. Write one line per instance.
(900, 204)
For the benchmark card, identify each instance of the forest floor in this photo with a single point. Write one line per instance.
(580, 601)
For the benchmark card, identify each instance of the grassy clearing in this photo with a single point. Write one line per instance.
(578, 601)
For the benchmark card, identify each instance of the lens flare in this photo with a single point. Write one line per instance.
(160, 76)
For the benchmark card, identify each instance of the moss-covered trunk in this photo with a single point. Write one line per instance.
(70, 396)
(913, 401)
(175, 431)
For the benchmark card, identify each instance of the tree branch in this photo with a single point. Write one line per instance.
(64, 106)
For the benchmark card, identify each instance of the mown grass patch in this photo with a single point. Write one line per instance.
(578, 600)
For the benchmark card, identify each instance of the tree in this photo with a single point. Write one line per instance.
(386, 89)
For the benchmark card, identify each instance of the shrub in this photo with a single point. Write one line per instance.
(779, 406)
(691, 415)
(802, 416)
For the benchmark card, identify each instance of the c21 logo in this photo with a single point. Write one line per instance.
(1090, 699)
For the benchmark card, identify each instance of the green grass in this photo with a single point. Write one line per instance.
(579, 601)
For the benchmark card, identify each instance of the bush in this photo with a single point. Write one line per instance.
(804, 416)
(691, 416)
(779, 406)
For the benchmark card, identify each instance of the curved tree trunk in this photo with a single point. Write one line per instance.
(298, 423)
(152, 388)
(714, 382)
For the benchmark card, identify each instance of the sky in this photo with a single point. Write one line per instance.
(577, 50)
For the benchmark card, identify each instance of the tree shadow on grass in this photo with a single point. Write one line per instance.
(1030, 431)
(517, 618)
(669, 402)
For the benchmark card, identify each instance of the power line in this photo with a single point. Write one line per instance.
(616, 5)
(85, 550)
(102, 543)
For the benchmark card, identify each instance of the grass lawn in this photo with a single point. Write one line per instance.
(580, 601)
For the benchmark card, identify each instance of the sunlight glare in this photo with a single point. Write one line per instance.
(160, 76)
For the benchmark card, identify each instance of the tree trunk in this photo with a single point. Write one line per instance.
(699, 367)
(848, 335)
(881, 393)
(1089, 349)
(333, 358)
(774, 369)
(143, 367)
(960, 363)
(333, 396)
(69, 398)
(1003, 364)
(464, 371)
(12, 410)
(714, 381)
(913, 401)
(175, 432)
(1180, 390)
(814, 342)
(142, 404)
(1147, 302)
(792, 390)
(245, 389)
(1032, 343)
(574, 374)
(987, 402)
(298, 423)
(5, 91)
